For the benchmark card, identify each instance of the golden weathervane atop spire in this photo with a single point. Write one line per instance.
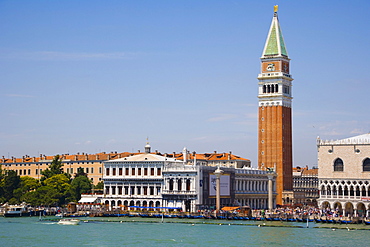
(276, 8)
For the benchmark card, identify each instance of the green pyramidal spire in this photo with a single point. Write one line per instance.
(275, 45)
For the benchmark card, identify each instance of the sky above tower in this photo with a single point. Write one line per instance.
(93, 76)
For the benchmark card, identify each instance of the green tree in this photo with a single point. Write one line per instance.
(55, 168)
(44, 195)
(11, 182)
(99, 186)
(80, 172)
(2, 198)
(61, 184)
(29, 184)
(79, 185)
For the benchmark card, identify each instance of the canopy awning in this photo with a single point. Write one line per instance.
(153, 207)
(87, 199)
(229, 208)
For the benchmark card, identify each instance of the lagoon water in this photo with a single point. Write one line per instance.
(29, 231)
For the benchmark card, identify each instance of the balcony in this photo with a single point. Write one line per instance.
(179, 192)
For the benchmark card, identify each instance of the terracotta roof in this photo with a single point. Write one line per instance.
(114, 155)
(310, 172)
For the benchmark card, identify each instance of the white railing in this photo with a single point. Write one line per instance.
(179, 192)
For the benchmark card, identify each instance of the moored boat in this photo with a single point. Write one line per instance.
(17, 211)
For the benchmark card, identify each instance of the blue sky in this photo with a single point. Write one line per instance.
(93, 76)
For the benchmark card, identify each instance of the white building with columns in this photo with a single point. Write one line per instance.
(344, 175)
(185, 181)
(135, 180)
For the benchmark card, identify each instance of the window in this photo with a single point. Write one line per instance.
(158, 171)
(127, 172)
(179, 184)
(71, 170)
(338, 165)
(120, 171)
(152, 171)
(107, 171)
(133, 172)
(87, 170)
(171, 184)
(92, 170)
(366, 165)
(100, 170)
(139, 171)
(145, 171)
(188, 185)
(114, 172)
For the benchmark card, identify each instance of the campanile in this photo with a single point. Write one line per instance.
(275, 112)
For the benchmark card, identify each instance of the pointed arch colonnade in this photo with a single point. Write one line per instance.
(347, 197)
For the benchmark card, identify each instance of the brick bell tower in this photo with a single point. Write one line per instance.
(275, 112)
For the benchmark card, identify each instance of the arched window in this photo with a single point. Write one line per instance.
(188, 185)
(264, 88)
(338, 165)
(366, 165)
(276, 88)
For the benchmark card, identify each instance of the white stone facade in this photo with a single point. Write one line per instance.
(156, 181)
(344, 175)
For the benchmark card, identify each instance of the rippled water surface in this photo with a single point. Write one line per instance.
(151, 232)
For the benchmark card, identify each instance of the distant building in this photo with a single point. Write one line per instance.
(183, 181)
(305, 186)
(93, 163)
(344, 174)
